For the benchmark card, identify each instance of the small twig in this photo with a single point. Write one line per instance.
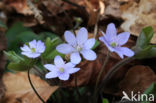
(36, 11)
(34, 87)
(96, 25)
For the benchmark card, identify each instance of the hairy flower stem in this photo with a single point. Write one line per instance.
(113, 70)
(76, 87)
(99, 76)
(34, 87)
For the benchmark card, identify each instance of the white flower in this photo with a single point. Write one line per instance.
(61, 69)
(34, 49)
(76, 45)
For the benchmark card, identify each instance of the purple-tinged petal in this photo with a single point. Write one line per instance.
(106, 43)
(31, 55)
(111, 30)
(75, 58)
(33, 44)
(50, 67)
(40, 46)
(25, 48)
(72, 70)
(52, 74)
(89, 54)
(70, 38)
(123, 38)
(64, 76)
(69, 65)
(89, 43)
(119, 53)
(82, 36)
(64, 48)
(58, 61)
(126, 51)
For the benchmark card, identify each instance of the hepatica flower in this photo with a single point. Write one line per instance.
(114, 42)
(78, 45)
(60, 69)
(34, 49)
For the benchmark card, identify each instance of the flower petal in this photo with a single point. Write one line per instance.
(102, 38)
(111, 30)
(40, 47)
(25, 48)
(64, 76)
(58, 61)
(127, 52)
(89, 54)
(52, 74)
(124, 51)
(31, 55)
(123, 38)
(33, 44)
(70, 38)
(89, 43)
(75, 58)
(64, 48)
(72, 70)
(82, 36)
(50, 67)
(119, 53)
(69, 65)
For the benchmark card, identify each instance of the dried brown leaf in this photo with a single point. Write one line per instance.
(137, 79)
(138, 16)
(19, 5)
(18, 89)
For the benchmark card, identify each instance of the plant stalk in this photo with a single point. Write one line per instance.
(34, 88)
(100, 74)
(113, 70)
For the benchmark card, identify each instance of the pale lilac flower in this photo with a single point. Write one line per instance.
(76, 45)
(114, 41)
(34, 49)
(60, 69)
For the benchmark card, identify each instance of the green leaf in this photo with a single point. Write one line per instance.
(145, 37)
(18, 67)
(19, 63)
(12, 34)
(104, 100)
(52, 55)
(44, 35)
(143, 48)
(12, 56)
(150, 90)
(24, 65)
(50, 51)
(26, 36)
(97, 43)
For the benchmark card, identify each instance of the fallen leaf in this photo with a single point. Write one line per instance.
(18, 89)
(138, 16)
(19, 5)
(137, 79)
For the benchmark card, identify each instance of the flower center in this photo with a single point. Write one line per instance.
(33, 50)
(113, 44)
(78, 48)
(61, 70)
